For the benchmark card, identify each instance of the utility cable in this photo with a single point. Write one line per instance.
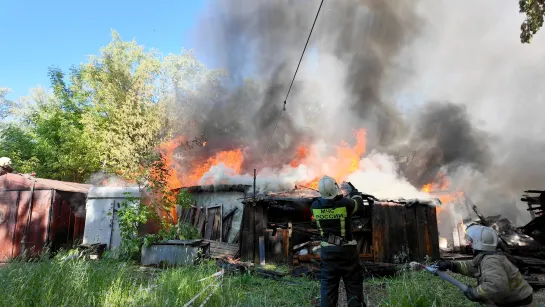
(293, 79)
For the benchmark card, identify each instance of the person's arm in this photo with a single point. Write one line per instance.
(494, 282)
(465, 268)
(355, 205)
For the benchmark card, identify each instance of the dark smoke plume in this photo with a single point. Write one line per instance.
(444, 140)
(263, 40)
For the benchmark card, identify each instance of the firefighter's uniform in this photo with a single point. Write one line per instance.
(339, 254)
(499, 281)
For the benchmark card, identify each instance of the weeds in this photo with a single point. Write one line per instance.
(418, 289)
(113, 283)
(62, 281)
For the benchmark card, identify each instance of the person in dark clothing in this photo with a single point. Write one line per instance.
(340, 259)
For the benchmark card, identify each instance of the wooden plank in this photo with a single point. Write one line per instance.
(404, 235)
(230, 214)
(236, 239)
(412, 233)
(191, 215)
(216, 230)
(377, 222)
(250, 234)
(222, 249)
(197, 215)
(227, 224)
(259, 231)
(422, 229)
(202, 220)
(434, 233)
(209, 227)
(395, 232)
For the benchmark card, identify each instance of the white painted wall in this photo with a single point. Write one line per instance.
(101, 221)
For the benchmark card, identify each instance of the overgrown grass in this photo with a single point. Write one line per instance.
(113, 283)
(110, 283)
(417, 289)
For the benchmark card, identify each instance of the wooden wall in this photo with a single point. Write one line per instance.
(398, 231)
(395, 230)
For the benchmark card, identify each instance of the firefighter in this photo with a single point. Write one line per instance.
(499, 281)
(340, 259)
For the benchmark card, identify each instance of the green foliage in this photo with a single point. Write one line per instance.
(187, 231)
(46, 136)
(107, 115)
(184, 199)
(126, 119)
(112, 283)
(131, 215)
(534, 10)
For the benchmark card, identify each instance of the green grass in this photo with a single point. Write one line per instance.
(417, 289)
(114, 283)
(111, 283)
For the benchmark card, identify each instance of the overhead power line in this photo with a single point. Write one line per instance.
(293, 79)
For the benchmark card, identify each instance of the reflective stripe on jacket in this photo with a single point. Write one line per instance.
(498, 279)
(335, 216)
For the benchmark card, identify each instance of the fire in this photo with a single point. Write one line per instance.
(302, 153)
(230, 158)
(440, 188)
(339, 166)
(167, 149)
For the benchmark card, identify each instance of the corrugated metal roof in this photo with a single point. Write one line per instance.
(12, 181)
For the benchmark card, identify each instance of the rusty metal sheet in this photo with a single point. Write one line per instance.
(36, 233)
(12, 181)
(8, 210)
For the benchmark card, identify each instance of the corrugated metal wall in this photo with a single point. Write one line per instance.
(8, 213)
(51, 221)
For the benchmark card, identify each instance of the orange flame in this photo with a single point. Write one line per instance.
(440, 189)
(339, 166)
(344, 162)
(167, 149)
(230, 158)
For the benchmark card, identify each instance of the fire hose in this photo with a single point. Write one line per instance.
(444, 276)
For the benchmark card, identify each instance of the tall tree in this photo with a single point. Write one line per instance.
(46, 136)
(126, 119)
(534, 10)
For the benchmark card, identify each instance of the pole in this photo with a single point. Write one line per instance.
(255, 173)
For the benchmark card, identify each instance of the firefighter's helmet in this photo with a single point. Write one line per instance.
(482, 238)
(328, 187)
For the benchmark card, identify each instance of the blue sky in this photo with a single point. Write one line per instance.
(37, 34)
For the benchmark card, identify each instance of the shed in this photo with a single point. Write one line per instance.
(217, 211)
(36, 212)
(102, 222)
(279, 227)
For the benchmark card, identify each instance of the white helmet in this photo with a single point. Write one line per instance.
(5, 161)
(328, 187)
(482, 238)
